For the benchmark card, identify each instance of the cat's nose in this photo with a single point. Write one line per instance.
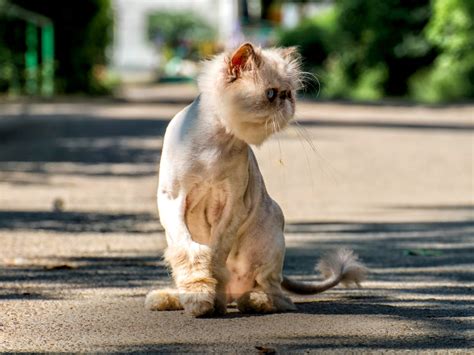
(285, 94)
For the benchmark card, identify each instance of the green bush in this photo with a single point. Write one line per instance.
(12, 36)
(181, 34)
(83, 30)
(365, 49)
(451, 77)
(314, 37)
(384, 41)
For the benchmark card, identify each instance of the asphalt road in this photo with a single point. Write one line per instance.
(81, 245)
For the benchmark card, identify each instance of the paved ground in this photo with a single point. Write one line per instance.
(80, 244)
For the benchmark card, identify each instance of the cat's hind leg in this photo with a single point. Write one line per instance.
(163, 300)
(263, 253)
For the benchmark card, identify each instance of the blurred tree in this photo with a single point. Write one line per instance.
(384, 39)
(451, 77)
(316, 38)
(365, 49)
(12, 49)
(271, 10)
(83, 32)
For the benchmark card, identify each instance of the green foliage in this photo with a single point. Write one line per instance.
(180, 33)
(385, 42)
(333, 81)
(12, 36)
(451, 27)
(370, 49)
(451, 77)
(83, 30)
(370, 85)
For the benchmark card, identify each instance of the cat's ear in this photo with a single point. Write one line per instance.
(290, 53)
(243, 58)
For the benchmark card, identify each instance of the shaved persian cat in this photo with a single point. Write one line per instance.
(224, 232)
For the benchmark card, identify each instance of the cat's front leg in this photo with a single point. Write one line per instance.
(191, 262)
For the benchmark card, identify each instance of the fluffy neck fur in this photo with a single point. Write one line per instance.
(210, 85)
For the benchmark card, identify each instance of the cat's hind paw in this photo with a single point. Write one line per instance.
(261, 302)
(163, 300)
(255, 302)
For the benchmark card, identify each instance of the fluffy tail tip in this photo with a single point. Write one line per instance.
(343, 263)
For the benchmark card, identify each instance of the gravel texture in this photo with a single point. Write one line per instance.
(81, 245)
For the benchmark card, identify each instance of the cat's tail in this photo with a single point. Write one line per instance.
(341, 266)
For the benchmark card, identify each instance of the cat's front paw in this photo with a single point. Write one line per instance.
(198, 296)
(204, 305)
(198, 305)
(163, 300)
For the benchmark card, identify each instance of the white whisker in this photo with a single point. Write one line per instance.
(307, 78)
(276, 129)
(308, 162)
(332, 171)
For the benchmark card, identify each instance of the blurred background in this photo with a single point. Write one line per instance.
(420, 50)
(379, 158)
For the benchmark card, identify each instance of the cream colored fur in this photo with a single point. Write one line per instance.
(224, 232)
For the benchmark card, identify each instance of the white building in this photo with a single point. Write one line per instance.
(133, 57)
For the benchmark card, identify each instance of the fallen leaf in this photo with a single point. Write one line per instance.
(60, 267)
(422, 252)
(265, 350)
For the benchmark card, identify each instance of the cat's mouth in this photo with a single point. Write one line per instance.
(256, 124)
(256, 120)
(268, 125)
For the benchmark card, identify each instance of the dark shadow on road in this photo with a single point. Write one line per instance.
(83, 140)
(413, 342)
(465, 207)
(303, 345)
(80, 222)
(382, 227)
(22, 294)
(396, 252)
(445, 247)
(83, 272)
(436, 255)
(92, 143)
(453, 128)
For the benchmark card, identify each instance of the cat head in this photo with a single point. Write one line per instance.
(253, 90)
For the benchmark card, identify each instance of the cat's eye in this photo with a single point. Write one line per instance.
(271, 94)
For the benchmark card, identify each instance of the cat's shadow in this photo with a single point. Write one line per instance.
(339, 306)
(362, 305)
